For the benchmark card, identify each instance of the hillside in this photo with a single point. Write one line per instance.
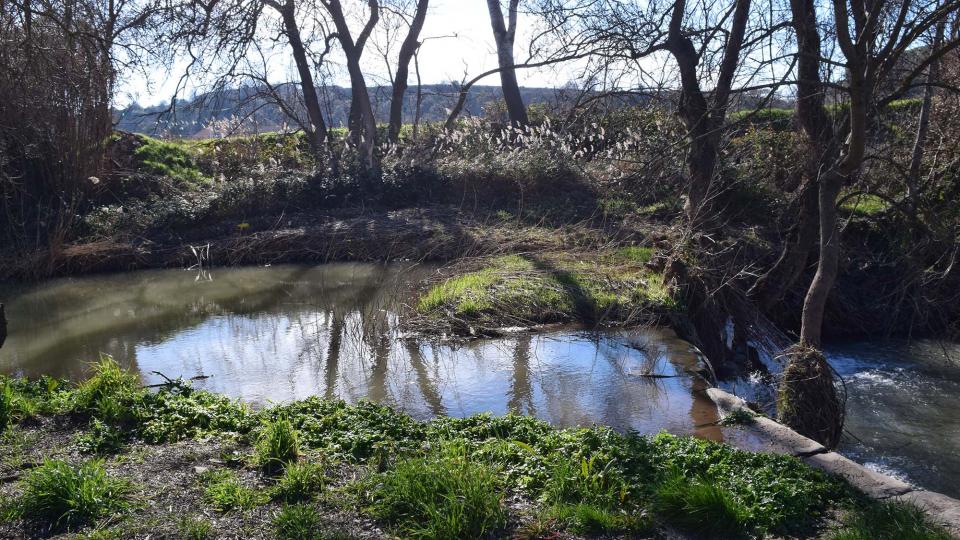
(190, 117)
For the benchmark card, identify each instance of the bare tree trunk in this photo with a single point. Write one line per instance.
(363, 126)
(916, 159)
(702, 119)
(410, 45)
(504, 35)
(815, 303)
(318, 128)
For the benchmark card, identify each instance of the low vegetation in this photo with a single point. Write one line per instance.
(59, 496)
(605, 287)
(369, 466)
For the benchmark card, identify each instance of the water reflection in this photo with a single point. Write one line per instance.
(288, 332)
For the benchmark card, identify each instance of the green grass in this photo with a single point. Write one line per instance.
(447, 477)
(886, 520)
(170, 159)
(866, 205)
(194, 528)
(297, 522)
(105, 392)
(225, 492)
(62, 496)
(277, 445)
(739, 417)
(611, 286)
(300, 482)
(6, 405)
(701, 508)
(444, 495)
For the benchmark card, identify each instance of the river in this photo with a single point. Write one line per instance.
(274, 334)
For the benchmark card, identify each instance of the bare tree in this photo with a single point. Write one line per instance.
(504, 34)
(363, 126)
(411, 43)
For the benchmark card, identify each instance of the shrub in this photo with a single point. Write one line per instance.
(225, 492)
(701, 508)
(300, 481)
(443, 495)
(277, 445)
(63, 497)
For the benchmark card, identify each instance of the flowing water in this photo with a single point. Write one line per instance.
(287, 332)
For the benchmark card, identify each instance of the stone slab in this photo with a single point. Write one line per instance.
(726, 401)
(941, 509)
(874, 484)
(785, 438)
(775, 438)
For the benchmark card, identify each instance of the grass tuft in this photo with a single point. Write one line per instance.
(194, 528)
(107, 390)
(6, 405)
(277, 445)
(225, 492)
(888, 520)
(297, 522)
(701, 508)
(300, 482)
(442, 495)
(65, 497)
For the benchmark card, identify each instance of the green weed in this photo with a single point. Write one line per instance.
(107, 393)
(300, 482)
(225, 492)
(277, 445)
(297, 522)
(701, 508)
(739, 417)
(6, 405)
(875, 520)
(194, 528)
(64, 497)
(445, 495)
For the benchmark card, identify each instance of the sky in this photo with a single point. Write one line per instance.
(443, 57)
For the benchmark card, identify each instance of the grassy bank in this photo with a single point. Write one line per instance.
(599, 287)
(108, 459)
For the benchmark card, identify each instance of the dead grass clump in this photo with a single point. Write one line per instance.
(808, 401)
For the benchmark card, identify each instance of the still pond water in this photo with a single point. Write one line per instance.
(288, 332)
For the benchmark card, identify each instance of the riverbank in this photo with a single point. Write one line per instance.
(108, 459)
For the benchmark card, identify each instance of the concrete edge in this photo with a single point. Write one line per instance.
(781, 439)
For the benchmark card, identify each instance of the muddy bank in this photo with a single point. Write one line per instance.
(438, 234)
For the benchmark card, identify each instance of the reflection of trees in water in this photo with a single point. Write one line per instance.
(333, 354)
(520, 394)
(427, 389)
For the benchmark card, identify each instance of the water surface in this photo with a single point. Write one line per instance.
(288, 332)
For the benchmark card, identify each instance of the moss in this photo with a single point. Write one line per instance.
(608, 286)
(866, 205)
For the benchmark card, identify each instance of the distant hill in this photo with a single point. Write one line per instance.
(206, 115)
